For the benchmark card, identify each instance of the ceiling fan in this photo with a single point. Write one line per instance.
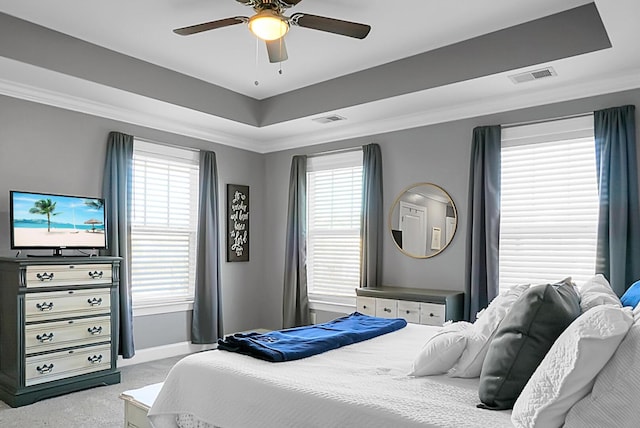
(270, 25)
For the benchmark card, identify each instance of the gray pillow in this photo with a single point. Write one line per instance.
(523, 338)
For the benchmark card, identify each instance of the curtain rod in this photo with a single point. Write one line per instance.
(533, 122)
(331, 152)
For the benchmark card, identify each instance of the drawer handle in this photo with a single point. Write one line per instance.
(47, 368)
(95, 274)
(364, 306)
(94, 302)
(45, 276)
(387, 310)
(45, 337)
(431, 314)
(44, 306)
(95, 330)
(95, 359)
(408, 311)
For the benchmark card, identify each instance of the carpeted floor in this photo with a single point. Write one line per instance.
(97, 407)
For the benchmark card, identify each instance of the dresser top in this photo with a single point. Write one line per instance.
(51, 260)
(403, 293)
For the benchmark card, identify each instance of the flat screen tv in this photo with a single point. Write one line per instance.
(56, 222)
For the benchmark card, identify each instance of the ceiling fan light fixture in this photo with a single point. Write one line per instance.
(268, 25)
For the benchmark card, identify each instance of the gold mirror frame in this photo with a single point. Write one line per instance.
(418, 201)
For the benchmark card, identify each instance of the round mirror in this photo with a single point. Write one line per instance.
(423, 220)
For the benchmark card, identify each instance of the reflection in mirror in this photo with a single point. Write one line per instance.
(423, 220)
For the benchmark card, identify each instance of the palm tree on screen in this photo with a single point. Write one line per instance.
(45, 207)
(94, 203)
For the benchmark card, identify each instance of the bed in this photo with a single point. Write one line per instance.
(587, 376)
(364, 384)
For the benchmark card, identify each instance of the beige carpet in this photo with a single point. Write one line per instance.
(96, 407)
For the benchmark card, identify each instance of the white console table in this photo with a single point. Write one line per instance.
(416, 305)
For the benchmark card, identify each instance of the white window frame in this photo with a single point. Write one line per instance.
(524, 257)
(176, 223)
(345, 164)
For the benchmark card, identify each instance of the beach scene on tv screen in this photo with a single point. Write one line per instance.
(57, 221)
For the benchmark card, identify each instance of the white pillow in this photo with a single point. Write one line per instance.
(568, 371)
(479, 335)
(597, 291)
(441, 351)
(616, 391)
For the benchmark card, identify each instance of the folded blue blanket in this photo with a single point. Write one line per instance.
(300, 342)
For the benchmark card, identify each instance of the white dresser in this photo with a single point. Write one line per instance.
(416, 305)
(57, 315)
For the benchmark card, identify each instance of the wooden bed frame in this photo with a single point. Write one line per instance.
(137, 403)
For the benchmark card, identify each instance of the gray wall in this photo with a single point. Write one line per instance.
(49, 149)
(438, 154)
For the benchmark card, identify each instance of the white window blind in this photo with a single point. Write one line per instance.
(164, 222)
(549, 203)
(334, 198)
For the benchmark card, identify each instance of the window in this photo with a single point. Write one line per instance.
(164, 222)
(334, 198)
(549, 198)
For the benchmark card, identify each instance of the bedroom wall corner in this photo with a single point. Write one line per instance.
(49, 149)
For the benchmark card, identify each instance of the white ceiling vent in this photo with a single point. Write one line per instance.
(329, 119)
(533, 75)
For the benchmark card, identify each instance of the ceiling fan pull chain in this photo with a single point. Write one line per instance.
(256, 82)
(281, 42)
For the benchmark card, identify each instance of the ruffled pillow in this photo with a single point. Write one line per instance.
(441, 351)
(479, 335)
(597, 291)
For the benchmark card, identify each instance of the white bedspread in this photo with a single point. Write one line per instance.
(361, 385)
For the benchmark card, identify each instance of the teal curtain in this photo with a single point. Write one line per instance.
(206, 323)
(295, 300)
(618, 247)
(371, 217)
(483, 236)
(116, 189)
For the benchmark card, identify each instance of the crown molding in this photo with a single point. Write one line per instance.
(484, 107)
(147, 112)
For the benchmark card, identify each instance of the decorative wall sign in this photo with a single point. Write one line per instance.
(237, 223)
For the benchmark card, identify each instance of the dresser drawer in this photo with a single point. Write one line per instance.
(386, 308)
(61, 334)
(61, 275)
(432, 313)
(70, 303)
(410, 311)
(59, 365)
(366, 305)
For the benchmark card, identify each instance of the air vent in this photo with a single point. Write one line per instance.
(533, 75)
(329, 119)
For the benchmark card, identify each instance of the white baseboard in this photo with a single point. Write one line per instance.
(165, 351)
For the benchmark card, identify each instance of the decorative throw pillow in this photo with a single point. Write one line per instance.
(597, 291)
(523, 338)
(568, 371)
(479, 335)
(613, 401)
(441, 351)
(631, 297)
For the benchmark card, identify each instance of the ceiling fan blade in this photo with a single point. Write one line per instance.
(290, 3)
(277, 50)
(330, 25)
(198, 28)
